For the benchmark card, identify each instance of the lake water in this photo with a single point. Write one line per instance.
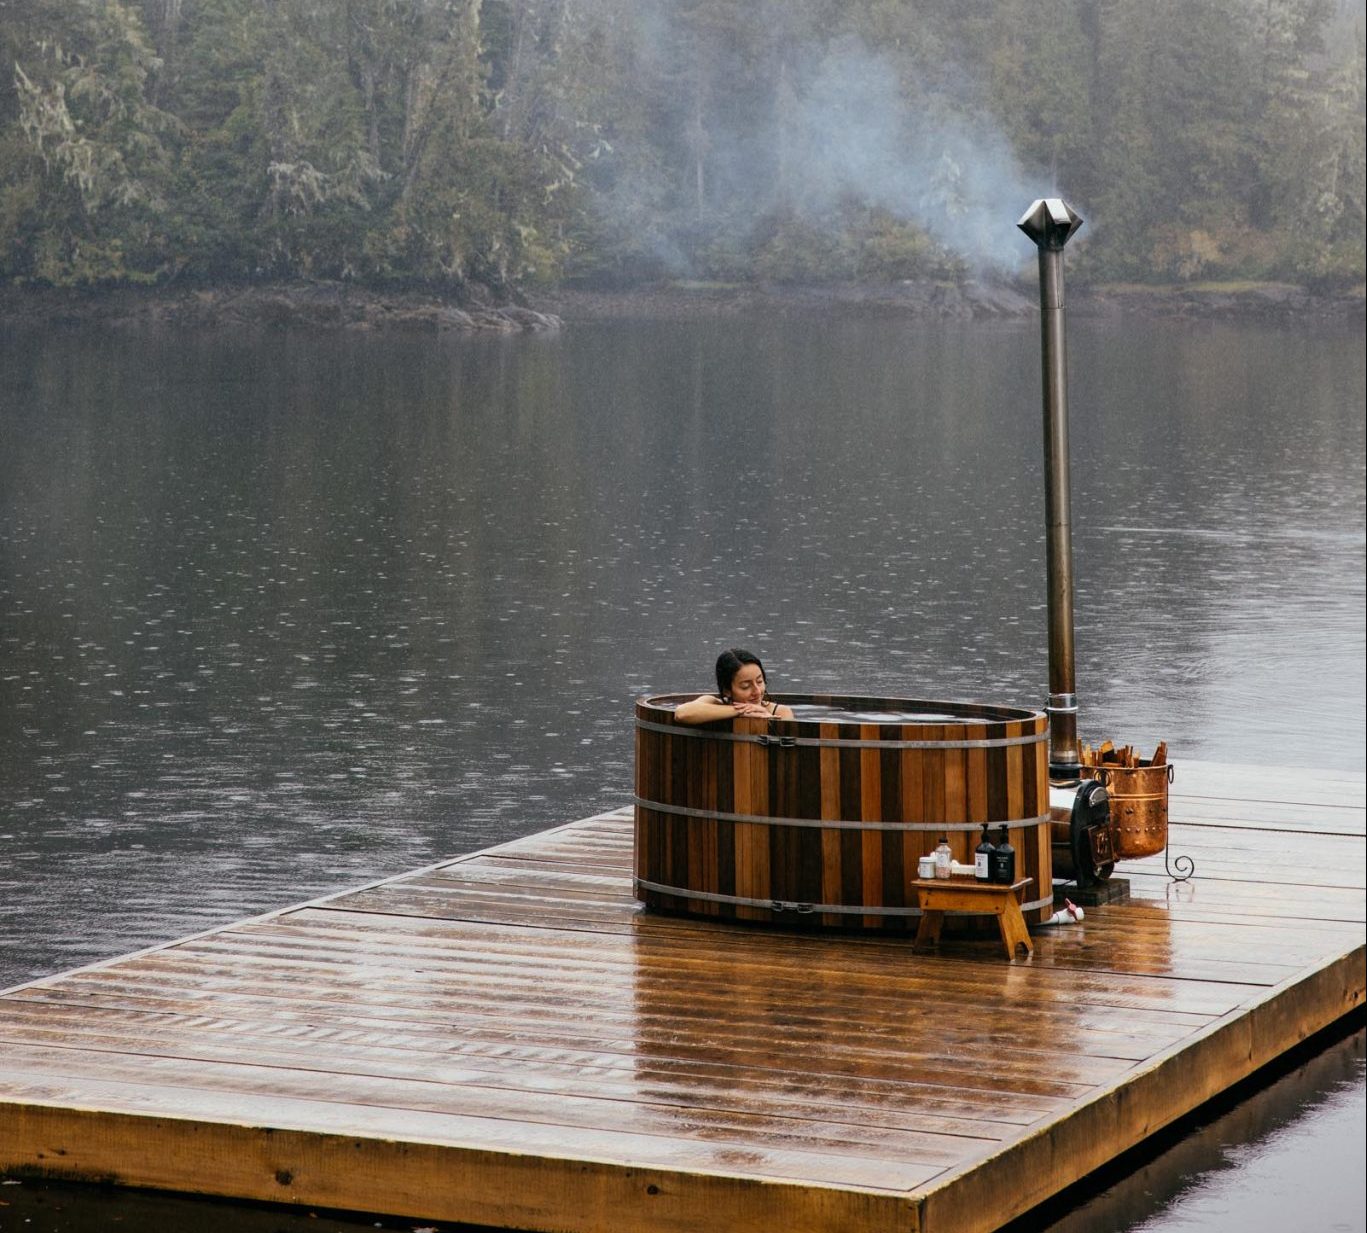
(281, 614)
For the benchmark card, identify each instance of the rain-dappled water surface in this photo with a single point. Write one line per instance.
(281, 614)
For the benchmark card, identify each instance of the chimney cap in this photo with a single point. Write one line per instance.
(1050, 222)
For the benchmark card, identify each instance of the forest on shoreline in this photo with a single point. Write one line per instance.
(477, 148)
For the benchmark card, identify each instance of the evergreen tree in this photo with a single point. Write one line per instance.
(86, 155)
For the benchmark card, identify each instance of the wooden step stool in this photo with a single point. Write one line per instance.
(959, 894)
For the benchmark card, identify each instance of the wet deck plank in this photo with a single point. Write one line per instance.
(506, 1039)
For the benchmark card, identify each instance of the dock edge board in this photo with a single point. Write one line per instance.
(420, 1180)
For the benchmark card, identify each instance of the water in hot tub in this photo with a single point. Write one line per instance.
(818, 713)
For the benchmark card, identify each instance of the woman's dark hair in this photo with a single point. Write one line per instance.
(728, 664)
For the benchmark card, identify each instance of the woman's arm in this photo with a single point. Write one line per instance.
(708, 708)
(704, 709)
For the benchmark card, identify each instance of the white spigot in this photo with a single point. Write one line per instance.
(1068, 914)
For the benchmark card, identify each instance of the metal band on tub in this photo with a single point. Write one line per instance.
(800, 909)
(789, 742)
(838, 824)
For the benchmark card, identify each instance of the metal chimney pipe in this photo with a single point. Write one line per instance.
(1050, 222)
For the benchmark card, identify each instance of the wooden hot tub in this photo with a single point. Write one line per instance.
(820, 819)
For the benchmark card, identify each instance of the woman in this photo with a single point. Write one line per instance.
(740, 691)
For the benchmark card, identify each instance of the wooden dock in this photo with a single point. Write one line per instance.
(506, 1039)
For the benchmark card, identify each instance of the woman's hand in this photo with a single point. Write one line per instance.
(752, 710)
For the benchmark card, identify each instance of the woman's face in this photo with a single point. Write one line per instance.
(748, 684)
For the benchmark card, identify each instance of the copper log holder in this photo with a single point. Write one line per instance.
(1138, 818)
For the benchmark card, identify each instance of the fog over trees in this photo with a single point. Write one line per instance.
(511, 142)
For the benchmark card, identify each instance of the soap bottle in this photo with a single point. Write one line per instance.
(1003, 859)
(982, 858)
(944, 858)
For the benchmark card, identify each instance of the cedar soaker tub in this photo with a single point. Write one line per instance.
(820, 820)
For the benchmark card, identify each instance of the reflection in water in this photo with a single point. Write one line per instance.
(280, 614)
(43, 1207)
(1278, 1160)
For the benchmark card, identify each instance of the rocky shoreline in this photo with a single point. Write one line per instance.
(956, 301)
(1284, 302)
(316, 306)
(334, 306)
(683, 301)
